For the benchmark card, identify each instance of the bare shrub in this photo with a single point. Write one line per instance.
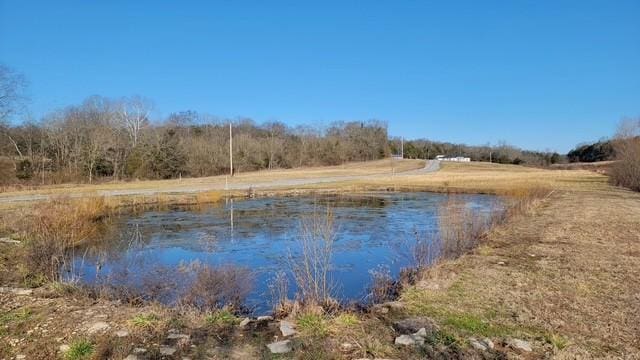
(55, 228)
(221, 287)
(279, 291)
(383, 287)
(311, 269)
(626, 171)
(460, 228)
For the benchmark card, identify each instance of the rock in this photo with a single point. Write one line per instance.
(64, 348)
(98, 326)
(139, 350)
(518, 344)
(21, 357)
(264, 318)
(23, 292)
(415, 324)
(244, 323)
(9, 241)
(502, 263)
(488, 343)
(287, 328)
(175, 336)
(380, 309)
(280, 347)
(422, 333)
(122, 333)
(409, 340)
(131, 357)
(478, 345)
(167, 350)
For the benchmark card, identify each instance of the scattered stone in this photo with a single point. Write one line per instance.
(9, 241)
(64, 348)
(416, 338)
(415, 324)
(422, 333)
(488, 343)
(23, 292)
(478, 345)
(265, 318)
(518, 344)
(175, 336)
(131, 357)
(139, 350)
(287, 328)
(380, 309)
(245, 322)
(502, 263)
(21, 357)
(167, 350)
(409, 340)
(122, 333)
(346, 347)
(98, 326)
(280, 347)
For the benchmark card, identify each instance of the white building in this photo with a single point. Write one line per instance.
(453, 158)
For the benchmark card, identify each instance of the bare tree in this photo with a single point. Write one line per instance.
(626, 171)
(12, 85)
(133, 114)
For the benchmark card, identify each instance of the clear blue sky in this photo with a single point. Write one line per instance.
(538, 74)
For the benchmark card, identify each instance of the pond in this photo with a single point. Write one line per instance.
(160, 250)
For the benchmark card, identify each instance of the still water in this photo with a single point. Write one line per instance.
(158, 247)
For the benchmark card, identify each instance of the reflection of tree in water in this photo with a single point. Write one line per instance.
(208, 241)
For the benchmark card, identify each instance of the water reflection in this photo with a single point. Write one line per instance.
(156, 249)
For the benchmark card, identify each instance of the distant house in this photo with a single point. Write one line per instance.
(453, 158)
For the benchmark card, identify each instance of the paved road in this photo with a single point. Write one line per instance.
(430, 167)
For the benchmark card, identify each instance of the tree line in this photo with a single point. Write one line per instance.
(117, 139)
(502, 153)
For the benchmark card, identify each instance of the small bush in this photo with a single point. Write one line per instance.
(346, 320)
(79, 350)
(56, 227)
(460, 228)
(221, 318)
(279, 291)
(224, 287)
(145, 320)
(311, 268)
(626, 171)
(312, 324)
(383, 287)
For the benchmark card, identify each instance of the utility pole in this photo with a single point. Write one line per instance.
(230, 149)
(490, 156)
(402, 147)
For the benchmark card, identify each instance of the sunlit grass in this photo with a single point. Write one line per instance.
(79, 350)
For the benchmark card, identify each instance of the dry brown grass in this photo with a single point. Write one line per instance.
(565, 277)
(378, 167)
(562, 273)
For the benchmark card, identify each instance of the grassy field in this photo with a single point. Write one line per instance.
(379, 167)
(563, 275)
